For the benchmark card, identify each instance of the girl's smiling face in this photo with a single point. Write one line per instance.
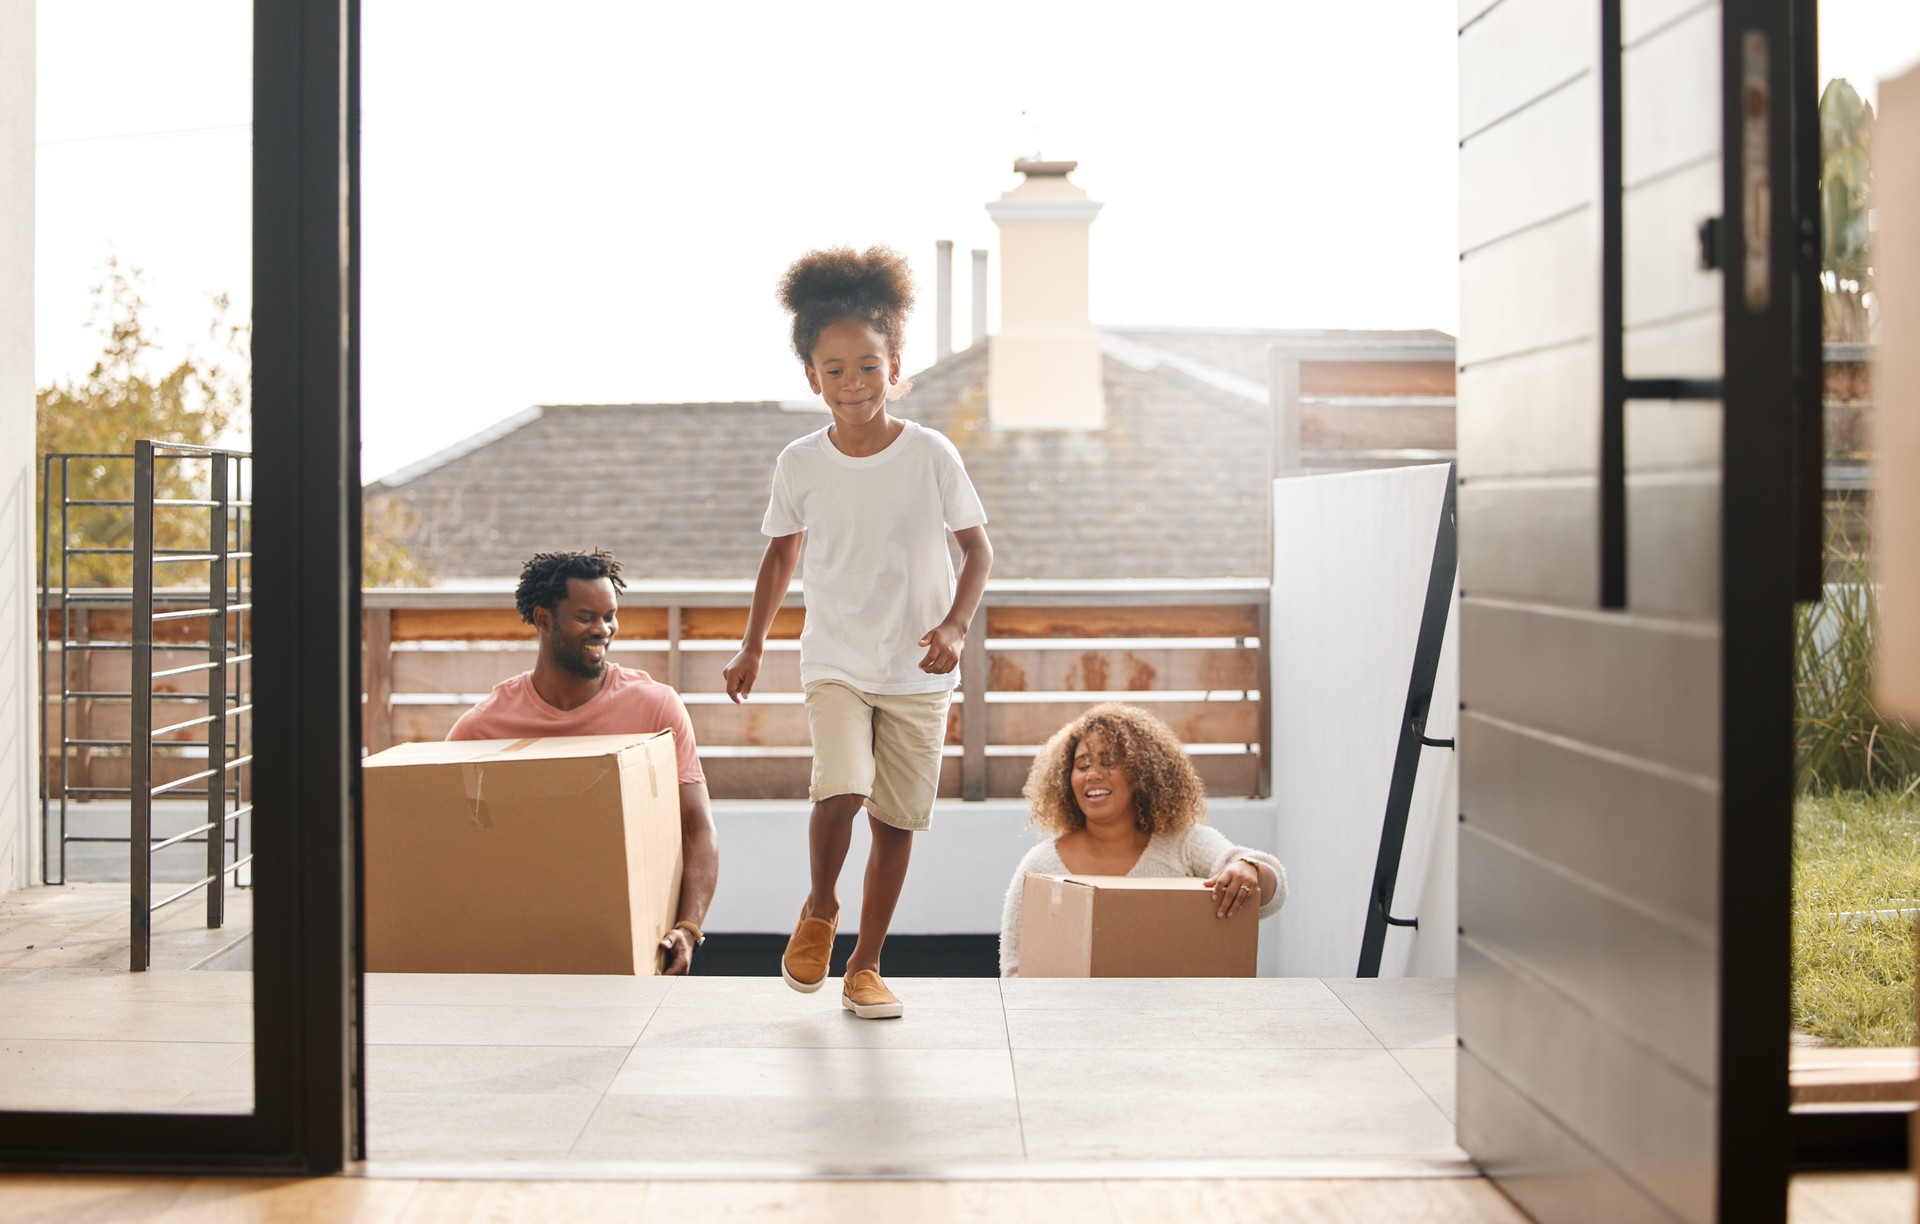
(1100, 783)
(852, 370)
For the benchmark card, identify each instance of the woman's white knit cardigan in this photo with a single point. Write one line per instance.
(1200, 851)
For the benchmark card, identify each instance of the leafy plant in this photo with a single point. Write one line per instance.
(1842, 741)
(1846, 193)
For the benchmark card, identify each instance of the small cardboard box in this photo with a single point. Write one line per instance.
(557, 855)
(1118, 926)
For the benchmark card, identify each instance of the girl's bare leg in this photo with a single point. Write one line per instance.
(829, 833)
(886, 873)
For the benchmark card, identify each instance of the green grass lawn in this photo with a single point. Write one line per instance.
(1853, 978)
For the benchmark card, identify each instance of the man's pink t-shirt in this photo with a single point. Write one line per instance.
(629, 702)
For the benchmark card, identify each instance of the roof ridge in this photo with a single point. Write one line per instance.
(1146, 358)
(459, 450)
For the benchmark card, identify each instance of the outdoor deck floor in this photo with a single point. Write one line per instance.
(1286, 1076)
(649, 1076)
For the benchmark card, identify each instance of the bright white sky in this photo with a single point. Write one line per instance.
(590, 202)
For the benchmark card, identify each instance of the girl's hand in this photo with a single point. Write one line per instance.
(741, 673)
(943, 644)
(1237, 884)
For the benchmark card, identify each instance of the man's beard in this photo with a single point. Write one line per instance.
(575, 660)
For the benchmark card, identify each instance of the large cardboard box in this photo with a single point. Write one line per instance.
(557, 855)
(1118, 926)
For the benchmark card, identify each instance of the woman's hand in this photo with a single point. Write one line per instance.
(1237, 884)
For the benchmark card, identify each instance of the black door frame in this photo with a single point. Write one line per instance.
(307, 1032)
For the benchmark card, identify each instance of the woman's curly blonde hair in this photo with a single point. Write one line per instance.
(1167, 794)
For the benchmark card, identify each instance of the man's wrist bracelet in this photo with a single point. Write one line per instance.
(692, 929)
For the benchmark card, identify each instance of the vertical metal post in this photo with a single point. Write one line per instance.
(243, 673)
(1613, 373)
(973, 711)
(140, 685)
(66, 664)
(221, 498)
(44, 628)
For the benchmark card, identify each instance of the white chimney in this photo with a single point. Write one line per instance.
(1044, 365)
(979, 298)
(943, 305)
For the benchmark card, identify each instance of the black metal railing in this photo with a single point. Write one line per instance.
(187, 723)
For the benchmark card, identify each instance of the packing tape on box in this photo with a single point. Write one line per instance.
(474, 775)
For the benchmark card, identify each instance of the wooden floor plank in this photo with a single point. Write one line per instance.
(1832, 1198)
(1434, 1201)
(1852, 1198)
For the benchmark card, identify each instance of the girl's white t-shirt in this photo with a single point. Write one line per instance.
(877, 571)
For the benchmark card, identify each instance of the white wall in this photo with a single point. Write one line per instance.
(956, 885)
(1352, 554)
(19, 669)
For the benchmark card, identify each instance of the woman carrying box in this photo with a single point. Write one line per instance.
(1121, 798)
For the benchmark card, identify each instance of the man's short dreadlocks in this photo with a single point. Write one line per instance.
(543, 579)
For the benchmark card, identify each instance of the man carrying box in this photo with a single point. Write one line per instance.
(569, 598)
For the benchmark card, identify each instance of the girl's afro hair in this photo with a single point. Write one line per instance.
(873, 287)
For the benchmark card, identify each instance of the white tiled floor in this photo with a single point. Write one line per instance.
(1281, 1075)
(743, 1071)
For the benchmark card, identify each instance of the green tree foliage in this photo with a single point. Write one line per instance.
(1846, 193)
(123, 399)
(386, 524)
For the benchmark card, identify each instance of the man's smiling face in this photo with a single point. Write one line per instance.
(579, 630)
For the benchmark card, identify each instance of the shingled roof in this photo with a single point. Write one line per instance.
(1174, 486)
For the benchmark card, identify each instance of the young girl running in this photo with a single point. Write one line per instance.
(872, 497)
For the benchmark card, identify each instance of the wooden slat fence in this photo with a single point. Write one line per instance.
(1194, 653)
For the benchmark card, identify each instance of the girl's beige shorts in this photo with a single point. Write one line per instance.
(885, 746)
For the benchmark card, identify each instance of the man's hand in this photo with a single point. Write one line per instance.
(676, 952)
(943, 644)
(741, 673)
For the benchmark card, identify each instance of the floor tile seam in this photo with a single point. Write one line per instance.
(626, 1046)
(1383, 1043)
(1456, 1167)
(1216, 1049)
(472, 1045)
(566, 1008)
(1208, 1050)
(1197, 1011)
(1013, 1070)
(918, 1009)
(652, 1015)
(882, 1046)
(1423, 1088)
(373, 1094)
(167, 1041)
